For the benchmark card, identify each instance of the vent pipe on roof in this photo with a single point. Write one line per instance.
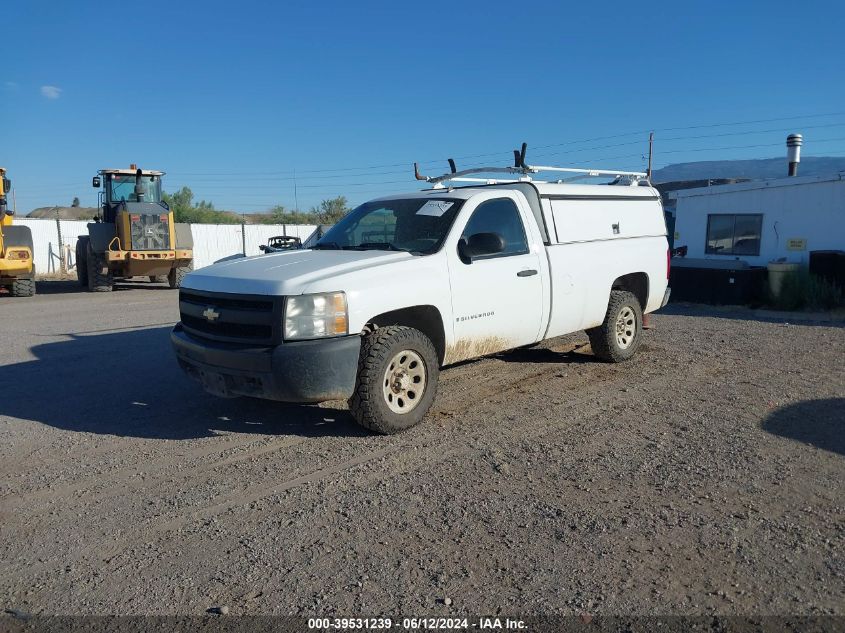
(793, 152)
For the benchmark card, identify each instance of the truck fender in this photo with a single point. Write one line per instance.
(101, 234)
(184, 237)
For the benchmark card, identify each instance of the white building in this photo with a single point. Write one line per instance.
(761, 221)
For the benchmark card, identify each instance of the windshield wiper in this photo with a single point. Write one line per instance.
(382, 246)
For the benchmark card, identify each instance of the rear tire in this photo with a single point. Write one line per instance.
(398, 371)
(177, 275)
(23, 288)
(82, 261)
(97, 280)
(619, 336)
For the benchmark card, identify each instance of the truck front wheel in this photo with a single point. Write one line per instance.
(621, 333)
(397, 379)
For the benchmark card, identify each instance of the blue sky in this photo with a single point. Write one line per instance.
(230, 98)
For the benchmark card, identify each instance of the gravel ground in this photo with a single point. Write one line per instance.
(703, 477)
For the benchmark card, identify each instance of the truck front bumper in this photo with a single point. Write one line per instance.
(301, 371)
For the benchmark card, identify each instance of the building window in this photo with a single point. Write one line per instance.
(733, 234)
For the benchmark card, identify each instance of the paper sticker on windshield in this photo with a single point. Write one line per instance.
(435, 208)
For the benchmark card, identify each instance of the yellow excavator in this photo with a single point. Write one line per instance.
(134, 235)
(17, 270)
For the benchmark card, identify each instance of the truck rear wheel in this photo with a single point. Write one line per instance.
(176, 275)
(397, 379)
(618, 338)
(82, 261)
(98, 281)
(23, 287)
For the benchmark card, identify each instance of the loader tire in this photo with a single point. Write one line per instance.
(176, 275)
(397, 378)
(82, 261)
(621, 333)
(98, 281)
(23, 288)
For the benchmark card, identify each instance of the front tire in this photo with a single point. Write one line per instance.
(23, 288)
(98, 281)
(177, 275)
(398, 371)
(619, 336)
(82, 261)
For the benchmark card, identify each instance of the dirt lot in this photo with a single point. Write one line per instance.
(703, 477)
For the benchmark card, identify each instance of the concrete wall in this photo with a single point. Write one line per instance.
(808, 209)
(212, 242)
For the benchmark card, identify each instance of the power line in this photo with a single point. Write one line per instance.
(500, 153)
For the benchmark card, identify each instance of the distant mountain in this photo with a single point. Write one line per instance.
(756, 169)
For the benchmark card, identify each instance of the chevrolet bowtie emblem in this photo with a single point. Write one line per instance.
(210, 313)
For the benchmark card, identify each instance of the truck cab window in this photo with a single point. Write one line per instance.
(499, 216)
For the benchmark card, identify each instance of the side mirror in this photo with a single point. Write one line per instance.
(95, 182)
(7, 185)
(480, 244)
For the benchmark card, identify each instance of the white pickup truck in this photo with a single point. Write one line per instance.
(406, 284)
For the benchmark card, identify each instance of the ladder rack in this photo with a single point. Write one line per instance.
(524, 171)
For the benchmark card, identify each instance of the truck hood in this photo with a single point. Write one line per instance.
(286, 273)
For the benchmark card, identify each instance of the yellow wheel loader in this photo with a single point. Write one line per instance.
(17, 270)
(134, 234)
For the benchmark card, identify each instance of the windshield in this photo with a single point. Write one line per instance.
(123, 188)
(418, 225)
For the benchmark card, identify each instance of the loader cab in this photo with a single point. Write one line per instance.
(121, 188)
(131, 202)
(5, 211)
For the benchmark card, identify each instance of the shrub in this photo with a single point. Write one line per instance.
(803, 291)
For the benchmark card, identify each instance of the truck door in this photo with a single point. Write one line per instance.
(496, 299)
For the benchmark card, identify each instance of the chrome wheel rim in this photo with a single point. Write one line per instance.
(404, 382)
(626, 327)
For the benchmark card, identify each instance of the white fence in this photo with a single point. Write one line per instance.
(212, 242)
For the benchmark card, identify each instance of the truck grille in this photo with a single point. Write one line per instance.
(233, 318)
(149, 232)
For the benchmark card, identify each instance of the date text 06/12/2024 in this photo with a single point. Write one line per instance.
(414, 624)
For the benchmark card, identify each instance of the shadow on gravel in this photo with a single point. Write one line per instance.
(71, 286)
(128, 384)
(546, 355)
(741, 313)
(817, 422)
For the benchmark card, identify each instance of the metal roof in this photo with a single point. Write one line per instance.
(130, 172)
(771, 183)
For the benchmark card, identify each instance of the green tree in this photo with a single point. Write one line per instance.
(202, 212)
(330, 211)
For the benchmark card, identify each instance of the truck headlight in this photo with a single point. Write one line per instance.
(315, 316)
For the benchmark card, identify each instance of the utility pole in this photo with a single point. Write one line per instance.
(650, 154)
(295, 196)
(14, 201)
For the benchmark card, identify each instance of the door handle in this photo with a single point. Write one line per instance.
(526, 273)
